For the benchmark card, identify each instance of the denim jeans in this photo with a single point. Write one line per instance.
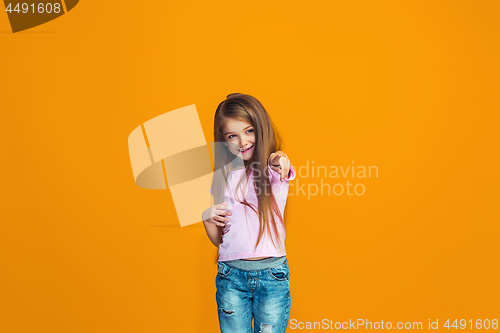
(263, 295)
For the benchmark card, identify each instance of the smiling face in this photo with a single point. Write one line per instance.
(242, 137)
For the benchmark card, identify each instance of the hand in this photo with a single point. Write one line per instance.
(217, 215)
(280, 163)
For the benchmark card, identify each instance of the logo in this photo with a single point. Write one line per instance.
(170, 150)
(28, 14)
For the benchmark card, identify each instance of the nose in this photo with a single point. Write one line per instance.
(243, 143)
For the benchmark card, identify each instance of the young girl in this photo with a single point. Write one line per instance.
(246, 223)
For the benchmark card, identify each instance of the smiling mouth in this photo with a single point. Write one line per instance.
(245, 150)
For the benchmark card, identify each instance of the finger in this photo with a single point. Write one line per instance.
(221, 218)
(283, 161)
(285, 168)
(284, 174)
(283, 165)
(223, 212)
(287, 164)
(222, 206)
(218, 223)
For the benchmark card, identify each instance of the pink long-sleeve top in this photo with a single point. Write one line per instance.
(241, 232)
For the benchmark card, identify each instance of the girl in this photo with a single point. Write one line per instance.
(246, 223)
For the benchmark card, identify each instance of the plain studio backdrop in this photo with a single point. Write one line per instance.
(411, 87)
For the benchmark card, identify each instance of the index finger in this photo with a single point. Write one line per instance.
(285, 169)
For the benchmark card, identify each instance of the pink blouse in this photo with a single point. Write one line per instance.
(242, 231)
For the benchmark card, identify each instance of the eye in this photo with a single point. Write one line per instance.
(250, 130)
(231, 136)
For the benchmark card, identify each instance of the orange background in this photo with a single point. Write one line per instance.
(409, 86)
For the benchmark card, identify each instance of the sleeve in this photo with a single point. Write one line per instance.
(275, 175)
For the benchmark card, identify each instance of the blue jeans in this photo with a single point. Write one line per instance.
(263, 295)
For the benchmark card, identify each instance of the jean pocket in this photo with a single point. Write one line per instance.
(280, 273)
(224, 270)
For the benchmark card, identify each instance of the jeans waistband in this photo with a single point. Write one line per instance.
(254, 265)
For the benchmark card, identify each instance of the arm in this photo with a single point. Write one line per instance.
(214, 233)
(214, 220)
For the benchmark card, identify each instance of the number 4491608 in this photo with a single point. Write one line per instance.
(479, 324)
(40, 9)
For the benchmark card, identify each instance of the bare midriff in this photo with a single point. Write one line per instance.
(259, 258)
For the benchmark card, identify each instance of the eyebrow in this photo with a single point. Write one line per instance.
(233, 132)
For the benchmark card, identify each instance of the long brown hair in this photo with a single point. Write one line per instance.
(248, 109)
